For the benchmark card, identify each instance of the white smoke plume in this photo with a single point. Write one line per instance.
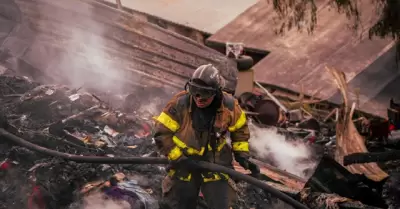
(86, 55)
(96, 201)
(87, 59)
(289, 155)
(89, 52)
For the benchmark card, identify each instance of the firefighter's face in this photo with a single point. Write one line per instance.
(203, 102)
(203, 96)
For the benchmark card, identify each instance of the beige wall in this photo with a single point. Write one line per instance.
(205, 15)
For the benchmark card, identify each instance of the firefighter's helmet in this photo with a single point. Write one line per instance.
(206, 81)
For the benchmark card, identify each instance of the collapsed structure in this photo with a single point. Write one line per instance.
(78, 123)
(126, 64)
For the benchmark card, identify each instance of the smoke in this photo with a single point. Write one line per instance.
(152, 108)
(289, 155)
(90, 58)
(87, 63)
(87, 59)
(97, 200)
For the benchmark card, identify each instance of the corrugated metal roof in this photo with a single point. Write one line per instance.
(89, 43)
(205, 15)
(299, 59)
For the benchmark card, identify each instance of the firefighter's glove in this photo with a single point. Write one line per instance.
(243, 159)
(255, 170)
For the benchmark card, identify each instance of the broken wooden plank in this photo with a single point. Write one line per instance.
(347, 137)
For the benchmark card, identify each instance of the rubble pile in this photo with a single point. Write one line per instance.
(333, 133)
(80, 123)
(68, 121)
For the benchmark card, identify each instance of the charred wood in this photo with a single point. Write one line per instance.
(334, 201)
(359, 158)
(331, 177)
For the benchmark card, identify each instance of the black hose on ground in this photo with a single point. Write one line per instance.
(150, 160)
(81, 159)
(251, 180)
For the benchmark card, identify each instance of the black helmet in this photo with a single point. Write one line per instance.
(206, 81)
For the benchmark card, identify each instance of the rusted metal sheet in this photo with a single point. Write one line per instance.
(297, 59)
(76, 39)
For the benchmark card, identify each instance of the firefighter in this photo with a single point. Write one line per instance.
(194, 126)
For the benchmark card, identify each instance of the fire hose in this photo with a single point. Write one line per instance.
(150, 160)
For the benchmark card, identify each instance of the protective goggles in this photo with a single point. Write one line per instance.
(201, 91)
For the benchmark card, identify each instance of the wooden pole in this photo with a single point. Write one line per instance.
(119, 5)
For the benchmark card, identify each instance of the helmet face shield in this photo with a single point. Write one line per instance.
(202, 92)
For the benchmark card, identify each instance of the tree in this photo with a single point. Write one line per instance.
(298, 12)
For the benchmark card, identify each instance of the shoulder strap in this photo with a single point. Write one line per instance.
(183, 101)
(229, 101)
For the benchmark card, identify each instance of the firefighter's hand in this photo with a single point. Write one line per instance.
(243, 159)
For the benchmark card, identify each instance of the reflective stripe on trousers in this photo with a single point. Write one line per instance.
(207, 177)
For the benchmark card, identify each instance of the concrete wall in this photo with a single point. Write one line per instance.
(205, 15)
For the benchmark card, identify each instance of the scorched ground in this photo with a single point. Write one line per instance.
(72, 121)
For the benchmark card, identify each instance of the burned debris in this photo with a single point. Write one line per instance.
(82, 124)
(334, 134)
(78, 123)
(303, 147)
(69, 121)
(90, 124)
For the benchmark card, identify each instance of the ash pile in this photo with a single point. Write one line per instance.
(80, 123)
(297, 153)
(70, 121)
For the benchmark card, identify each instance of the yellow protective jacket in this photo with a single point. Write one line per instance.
(174, 133)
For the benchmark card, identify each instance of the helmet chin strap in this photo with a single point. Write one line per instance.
(219, 92)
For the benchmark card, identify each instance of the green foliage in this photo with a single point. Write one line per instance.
(298, 13)
(389, 22)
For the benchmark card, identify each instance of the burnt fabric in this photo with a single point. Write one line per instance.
(175, 133)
